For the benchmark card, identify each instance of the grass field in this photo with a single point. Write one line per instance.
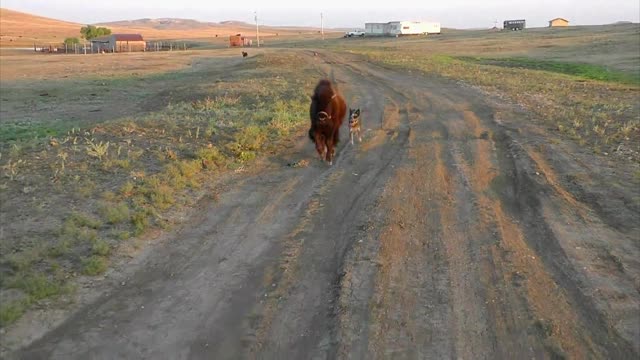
(589, 98)
(96, 181)
(97, 150)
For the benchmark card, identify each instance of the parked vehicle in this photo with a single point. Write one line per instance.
(354, 33)
(514, 25)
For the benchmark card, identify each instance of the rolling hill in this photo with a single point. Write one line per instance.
(20, 29)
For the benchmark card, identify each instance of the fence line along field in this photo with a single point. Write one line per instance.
(491, 210)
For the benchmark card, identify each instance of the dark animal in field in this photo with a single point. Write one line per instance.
(244, 54)
(354, 124)
(327, 112)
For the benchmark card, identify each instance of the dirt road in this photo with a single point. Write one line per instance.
(444, 234)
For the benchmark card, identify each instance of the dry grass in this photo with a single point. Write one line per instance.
(89, 188)
(601, 115)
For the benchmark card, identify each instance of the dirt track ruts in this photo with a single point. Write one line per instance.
(440, 236)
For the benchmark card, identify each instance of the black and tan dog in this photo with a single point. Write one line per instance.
(354, 124)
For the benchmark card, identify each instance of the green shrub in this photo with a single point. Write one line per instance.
(140, 221)
(101, 247)
(95, 265)
(10, 312)
(84, 220)
(115, 214)
(38, 286)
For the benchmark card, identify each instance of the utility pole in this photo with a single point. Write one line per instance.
(257, 29)
(322, 25)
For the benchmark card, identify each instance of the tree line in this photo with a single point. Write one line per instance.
(88, 32)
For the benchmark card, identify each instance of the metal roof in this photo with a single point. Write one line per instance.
(128, 37)
(119, 37)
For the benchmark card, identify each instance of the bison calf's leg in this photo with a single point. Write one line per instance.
(330, 150)
(321, 148)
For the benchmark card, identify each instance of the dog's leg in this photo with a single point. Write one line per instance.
(351, 135)
(359, 136)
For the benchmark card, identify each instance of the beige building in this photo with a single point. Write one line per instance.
(118, 43)
(558, 22)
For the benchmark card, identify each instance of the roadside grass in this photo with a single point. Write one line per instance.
(597, 114)
(578, 70)
(93, 188)
(16, 131)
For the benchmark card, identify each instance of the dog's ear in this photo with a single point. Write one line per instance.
(357, 111)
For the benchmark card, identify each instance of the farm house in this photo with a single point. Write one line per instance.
(558, 22)
(397, 28)
(118, 43)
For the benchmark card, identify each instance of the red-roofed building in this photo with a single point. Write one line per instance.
(118, 43)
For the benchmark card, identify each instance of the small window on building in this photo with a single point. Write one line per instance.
(405, 28)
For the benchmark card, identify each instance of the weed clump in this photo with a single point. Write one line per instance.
(94, 265)
(115, 214)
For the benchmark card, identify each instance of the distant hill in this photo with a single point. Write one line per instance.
(159, 24)
(18, 29)
(622, 23)
(196, 27)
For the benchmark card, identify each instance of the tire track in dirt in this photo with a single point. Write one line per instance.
(431, 239)
(525, 196)
(299, 317)
(532, 302)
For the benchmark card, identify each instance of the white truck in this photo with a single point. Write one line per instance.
(354, 33)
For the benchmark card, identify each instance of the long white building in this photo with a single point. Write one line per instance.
(397, 28)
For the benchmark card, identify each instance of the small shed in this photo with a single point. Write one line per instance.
(118, 43)
(239, 40)
(235, 40)
(558, 22)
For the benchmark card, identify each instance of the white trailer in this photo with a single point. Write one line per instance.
(374, 29)
(397, 28)
(413, 28)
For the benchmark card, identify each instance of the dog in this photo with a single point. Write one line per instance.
(244, 54)
(354, 124)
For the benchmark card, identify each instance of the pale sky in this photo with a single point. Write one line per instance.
(450, 13)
